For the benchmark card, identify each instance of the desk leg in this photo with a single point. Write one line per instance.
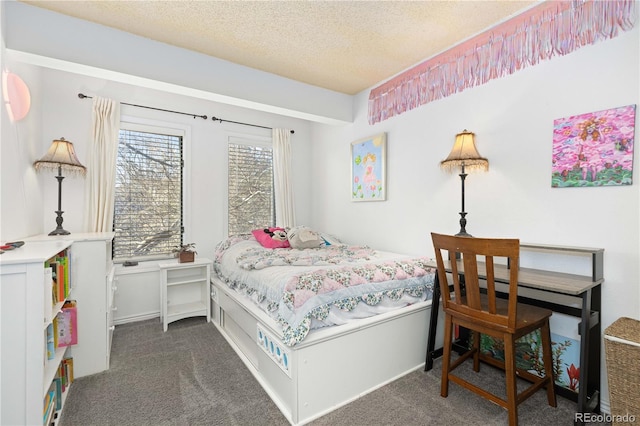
(595, 346)
(588, 384)
(590, 346)
(433, 324)
(584, 351)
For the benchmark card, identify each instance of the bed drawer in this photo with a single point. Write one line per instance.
(244, 341)
(243, 319)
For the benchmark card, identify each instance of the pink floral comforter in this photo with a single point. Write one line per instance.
(312, 294)
(259, 257)
(311, 288)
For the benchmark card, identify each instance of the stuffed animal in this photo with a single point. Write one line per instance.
(272, 237)
(277, 234)
(301, 237)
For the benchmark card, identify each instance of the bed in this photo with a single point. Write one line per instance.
(319, 327)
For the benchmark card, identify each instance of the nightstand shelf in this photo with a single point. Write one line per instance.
(184, 290)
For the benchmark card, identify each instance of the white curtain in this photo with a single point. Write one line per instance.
(101, 167)
(283, 185)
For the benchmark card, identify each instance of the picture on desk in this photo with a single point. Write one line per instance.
(566, 356)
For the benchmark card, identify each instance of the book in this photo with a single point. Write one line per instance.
(51, 345)
(59, 266)
(60, 374)
(48, 296)
(53, 265)
(60, 276)
(58, 384)
(55, 331)
(63, 279)
(68, 362)
(68, 324)
(47, 400)
(49, 407)
(63, 259)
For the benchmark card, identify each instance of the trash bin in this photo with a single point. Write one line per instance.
(622, 348)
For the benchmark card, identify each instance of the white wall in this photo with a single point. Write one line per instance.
(512, 118)
(65, 115)
(21, 201)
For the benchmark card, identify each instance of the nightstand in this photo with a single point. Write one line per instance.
(184, 290)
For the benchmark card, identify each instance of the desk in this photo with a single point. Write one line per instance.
(585, 290)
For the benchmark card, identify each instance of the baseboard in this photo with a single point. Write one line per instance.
(136, 318)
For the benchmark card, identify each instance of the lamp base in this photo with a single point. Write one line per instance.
(463, 226)
(59, 231)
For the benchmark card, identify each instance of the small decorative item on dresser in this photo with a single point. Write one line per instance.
(186, 253)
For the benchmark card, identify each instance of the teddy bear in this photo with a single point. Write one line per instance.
(301, 237)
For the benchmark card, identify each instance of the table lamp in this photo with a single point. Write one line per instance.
(60, 155)
(464, 155)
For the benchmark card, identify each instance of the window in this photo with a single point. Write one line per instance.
(148, 220)
(251, 195)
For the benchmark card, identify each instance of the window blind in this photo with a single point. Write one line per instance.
(148, 195)
(250, 193)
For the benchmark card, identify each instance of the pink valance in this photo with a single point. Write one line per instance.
(551, 28)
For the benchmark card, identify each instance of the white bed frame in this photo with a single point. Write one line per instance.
(331, 366)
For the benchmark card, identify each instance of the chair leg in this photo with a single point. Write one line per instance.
(510, 375)
(446, 356)
(548, 363)
(476, 348)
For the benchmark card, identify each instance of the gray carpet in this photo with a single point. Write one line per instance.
(191, 376)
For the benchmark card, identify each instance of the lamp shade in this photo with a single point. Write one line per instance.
(15, 93)
(61, 154)
(464, 153)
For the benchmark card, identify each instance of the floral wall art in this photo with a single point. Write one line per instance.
(368, 164)
(594, 149)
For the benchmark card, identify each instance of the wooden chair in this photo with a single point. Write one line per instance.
(482, 312)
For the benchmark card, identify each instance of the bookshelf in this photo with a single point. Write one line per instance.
(27, 310)
(184, 290)
(26, 313)
(94, 288)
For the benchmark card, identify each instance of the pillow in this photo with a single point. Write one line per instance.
(271, 237)
(301, 237)
(331, 240)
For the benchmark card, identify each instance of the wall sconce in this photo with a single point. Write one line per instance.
(464, 155)
(60, 155)
(15, 95)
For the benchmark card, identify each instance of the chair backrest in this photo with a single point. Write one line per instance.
(463, 255)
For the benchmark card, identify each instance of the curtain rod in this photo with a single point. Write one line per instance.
(244, 124)
(204, 117)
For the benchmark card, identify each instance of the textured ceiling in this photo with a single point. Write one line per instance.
(345, 46)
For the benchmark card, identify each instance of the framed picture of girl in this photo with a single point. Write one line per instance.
(368, 168)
